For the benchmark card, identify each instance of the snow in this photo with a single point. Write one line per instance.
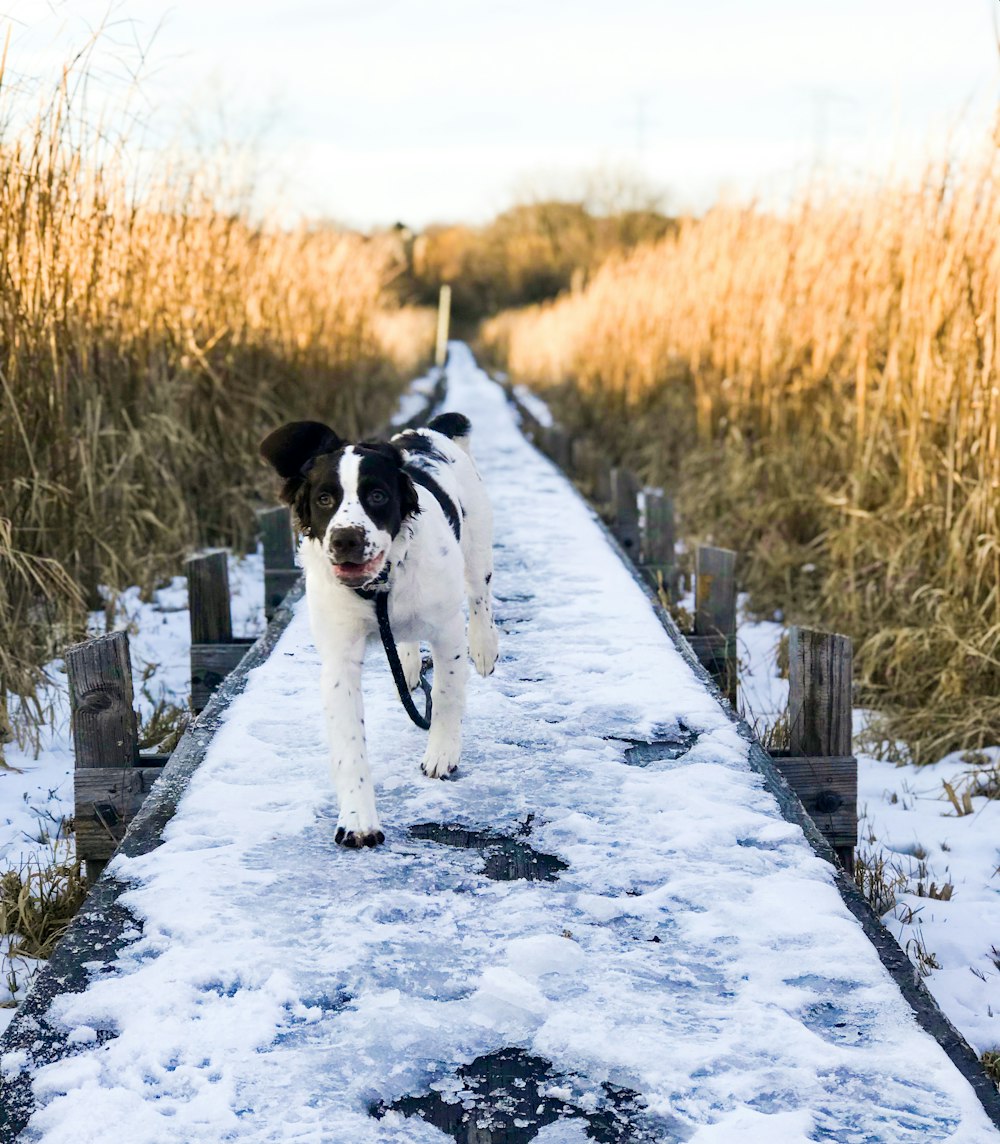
(695, 950)
(414, 401)
(534, 405)
(37, 793)
(908, 822)
(763, 693)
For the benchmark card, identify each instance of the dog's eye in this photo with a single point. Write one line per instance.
(324, 500)
(376, 496)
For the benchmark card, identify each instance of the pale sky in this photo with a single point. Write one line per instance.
(369, 111)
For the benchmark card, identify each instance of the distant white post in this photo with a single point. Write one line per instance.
(444, 316)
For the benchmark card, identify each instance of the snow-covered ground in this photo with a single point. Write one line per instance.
(534, 405)
(36, 793)
(36, 787)
(911, 830)
(414, 401)
(693, 949)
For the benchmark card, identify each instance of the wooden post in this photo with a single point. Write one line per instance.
(625, 510)
(581, 462)
(559, 446)
(214, 651)
(714, 639)
(659, 558)
(819, 696)
(208, 598)
(280, 573)
(106, 740)
(591, 471)
(443, 322)
(819, 765)
(580, 458)
(602, 481)
(105, 733)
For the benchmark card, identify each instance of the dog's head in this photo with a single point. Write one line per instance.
(352, 499)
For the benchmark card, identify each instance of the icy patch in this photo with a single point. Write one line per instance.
(509, 1096)
(505, 859)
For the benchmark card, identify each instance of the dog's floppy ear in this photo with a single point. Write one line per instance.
(409, 503)
(290, 448)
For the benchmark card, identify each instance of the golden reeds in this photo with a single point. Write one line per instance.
(146, 344)
(847, 358)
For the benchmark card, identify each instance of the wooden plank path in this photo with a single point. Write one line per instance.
(574, 940)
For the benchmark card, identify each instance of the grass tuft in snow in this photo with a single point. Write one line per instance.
(990, 1060)
(878, 879)
(982, 780)
(916, 950)
(38, 900)
(161, 729)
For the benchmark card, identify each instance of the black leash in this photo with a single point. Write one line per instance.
(379, 591)
(392, 655)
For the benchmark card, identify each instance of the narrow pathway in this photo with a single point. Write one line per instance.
(600, 947)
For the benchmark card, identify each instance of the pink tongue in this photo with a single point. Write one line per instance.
(354, 569)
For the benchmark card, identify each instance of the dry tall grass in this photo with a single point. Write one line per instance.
(145, 346)
(825, 387)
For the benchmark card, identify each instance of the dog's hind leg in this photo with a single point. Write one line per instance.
(478, 550)
(444, 740)
(357, 822)
(409, 658)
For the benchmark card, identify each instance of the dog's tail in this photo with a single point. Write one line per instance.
(454, 425)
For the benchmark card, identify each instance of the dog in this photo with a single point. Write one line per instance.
(408, 517)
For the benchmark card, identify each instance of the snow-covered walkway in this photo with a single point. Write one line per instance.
(686, 971)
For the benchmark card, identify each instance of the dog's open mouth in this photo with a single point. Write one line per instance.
(357, 574)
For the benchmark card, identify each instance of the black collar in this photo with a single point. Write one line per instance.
(377, 586)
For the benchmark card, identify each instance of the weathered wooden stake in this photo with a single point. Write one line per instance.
(592, 470)
(214, 651)
(625, 510)
(443, 322)
(280, 573)
(819, 698)
(109, 784)
(714, 639)
(602, 481)
(208, 598)
(100, 687)
(559, 446)
(659, 557)
(819, 765)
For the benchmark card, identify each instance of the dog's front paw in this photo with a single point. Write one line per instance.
(483, 646)
(356, 829)
(355, 839)
(440, 762)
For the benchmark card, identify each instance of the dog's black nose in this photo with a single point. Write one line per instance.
(347, 545)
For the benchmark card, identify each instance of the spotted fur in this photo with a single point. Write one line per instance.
(409, 516)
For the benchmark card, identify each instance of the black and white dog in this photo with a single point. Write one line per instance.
(409, 517)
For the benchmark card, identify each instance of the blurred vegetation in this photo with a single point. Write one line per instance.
(530, 253)
(146, 345)
(821, 390)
